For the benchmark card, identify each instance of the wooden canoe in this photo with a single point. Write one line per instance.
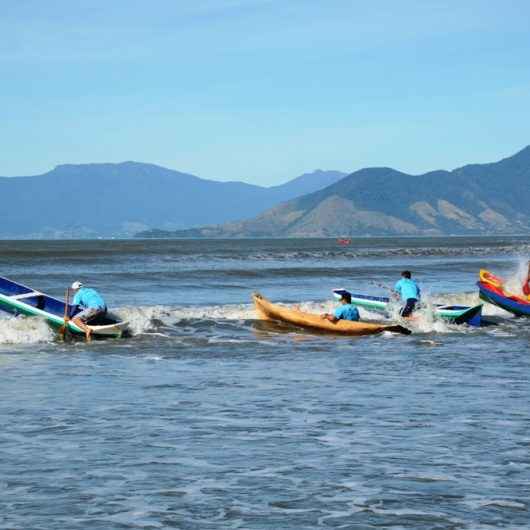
(18, 299)
(266, 310)
(492, 290)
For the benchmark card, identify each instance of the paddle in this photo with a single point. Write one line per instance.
(64, 327)
(398, 329)
(391, 291)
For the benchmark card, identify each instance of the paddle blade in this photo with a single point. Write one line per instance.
(64, 331)
(398, 329)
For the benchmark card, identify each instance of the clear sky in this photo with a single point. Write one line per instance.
(263, 90)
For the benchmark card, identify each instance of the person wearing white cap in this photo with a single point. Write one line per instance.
(92, 306)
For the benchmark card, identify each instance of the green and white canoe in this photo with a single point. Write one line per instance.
(456, 314)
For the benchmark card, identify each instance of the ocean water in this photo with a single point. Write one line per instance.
(205, 418)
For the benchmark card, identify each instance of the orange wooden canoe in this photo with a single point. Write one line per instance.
(266, 310)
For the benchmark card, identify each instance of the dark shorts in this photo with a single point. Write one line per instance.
(90, 313)
(409, 307)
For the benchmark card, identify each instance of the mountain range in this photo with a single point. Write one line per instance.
(90, 200)
(489, 198)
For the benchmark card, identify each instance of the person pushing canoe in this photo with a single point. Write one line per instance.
(409, 291)
(91, 304)
(346, 311)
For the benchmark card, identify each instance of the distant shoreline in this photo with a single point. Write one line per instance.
(270, 238)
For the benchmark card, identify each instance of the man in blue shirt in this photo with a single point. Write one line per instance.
(346, 311)
(409, 292)
(91, 304)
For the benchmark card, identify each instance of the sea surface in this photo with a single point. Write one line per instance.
(205, 418)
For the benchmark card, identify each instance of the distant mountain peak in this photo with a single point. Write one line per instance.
(523, 154)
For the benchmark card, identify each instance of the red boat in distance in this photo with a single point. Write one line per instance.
(344, 241)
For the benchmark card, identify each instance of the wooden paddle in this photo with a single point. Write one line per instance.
(398, 329)
(64, 327)
(392, 294)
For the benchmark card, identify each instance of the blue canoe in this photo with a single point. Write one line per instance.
(18, 299)
(492, 295)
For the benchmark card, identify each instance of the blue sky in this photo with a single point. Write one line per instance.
(263, 90)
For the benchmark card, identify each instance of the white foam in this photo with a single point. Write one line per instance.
(423, 321)
(141, 319)
(514, 282)
(467, 299)
(24, 330)
(144, 318)
(317, 307)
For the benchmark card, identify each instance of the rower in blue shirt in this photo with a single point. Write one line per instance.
(92, 306)
(409, 292)
(346, 311)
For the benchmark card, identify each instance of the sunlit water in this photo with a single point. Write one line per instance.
(205, 418)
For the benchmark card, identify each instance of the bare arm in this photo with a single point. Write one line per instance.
(330, 317)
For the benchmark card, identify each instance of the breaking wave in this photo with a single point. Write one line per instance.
(158, 319)
(24, 330)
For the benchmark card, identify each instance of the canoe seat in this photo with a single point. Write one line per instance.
(25, 295)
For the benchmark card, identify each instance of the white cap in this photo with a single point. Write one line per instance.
(77, 285)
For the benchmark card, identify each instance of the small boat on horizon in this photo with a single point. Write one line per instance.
(18, 299)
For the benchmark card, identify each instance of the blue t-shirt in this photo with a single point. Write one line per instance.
(346, 312)
(88, 298)
(407, 288)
